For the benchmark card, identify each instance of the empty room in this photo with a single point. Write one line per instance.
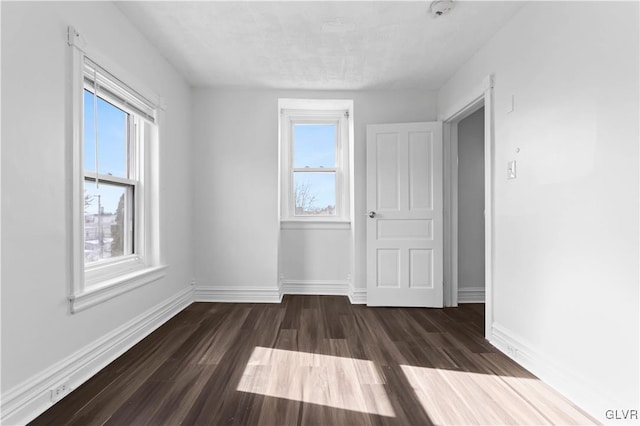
(320, 212)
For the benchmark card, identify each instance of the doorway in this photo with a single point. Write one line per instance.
(480, 102)
(470, 217)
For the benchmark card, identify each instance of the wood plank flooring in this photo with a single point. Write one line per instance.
(315, 360)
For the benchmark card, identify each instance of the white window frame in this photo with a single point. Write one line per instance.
(96, 282)
(135, 163)
(310, 111)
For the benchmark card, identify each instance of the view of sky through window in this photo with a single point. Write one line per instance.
(112, 146)
(315, 192)
(314, 146)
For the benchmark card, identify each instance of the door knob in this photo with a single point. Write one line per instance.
(372, 214)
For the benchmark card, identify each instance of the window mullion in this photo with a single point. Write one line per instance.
(128, 222)
(315, 169)
(340, 182)
(135, 220)
(95, 124)
(133, 156)
(290, 149)
(114, 180)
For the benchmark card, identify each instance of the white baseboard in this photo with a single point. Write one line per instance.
(315, 287)
(358, 296)
(26, 401)
(585, 395)
(471, 294)
(274, 295)
(237, 294)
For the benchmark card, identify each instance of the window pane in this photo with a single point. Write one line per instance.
(112, 138)
(314, 145)
(315, 193)
(105, 225)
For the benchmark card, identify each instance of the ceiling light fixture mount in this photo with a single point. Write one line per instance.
(440, 7)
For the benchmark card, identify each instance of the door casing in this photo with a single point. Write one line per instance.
(481, 96)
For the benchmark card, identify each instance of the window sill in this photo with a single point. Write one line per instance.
(110, 288)
(315, 224)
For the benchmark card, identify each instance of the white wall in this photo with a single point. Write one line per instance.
(37, 329)
(471, 202)
(235, 188)
(236, 160)
(315, 255)
(566, 230)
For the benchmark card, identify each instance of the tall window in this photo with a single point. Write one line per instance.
(315, 161)
(110, 178)
(115, 194)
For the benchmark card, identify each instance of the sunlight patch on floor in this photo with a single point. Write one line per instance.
(462, 397)
(338, 382)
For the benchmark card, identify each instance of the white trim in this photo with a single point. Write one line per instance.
(107, 268)
(358, 296)
(89, 282)
(451, 292)
(30, 398)
(314, 224)
(76, 249)
(113, 287)
(450, 271)
(464, 106)
(229, 294)
(489, 185)
(330, 111)
(356, 217)
(77, 41)
(114, 90)
(471, 294)
(237, 294)
(316, 287)
(315, 104)
(480, 96)
(581, 392)
(110, 179)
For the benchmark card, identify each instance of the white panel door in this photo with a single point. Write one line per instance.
(405, 208)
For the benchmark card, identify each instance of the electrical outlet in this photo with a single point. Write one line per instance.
(58, 392)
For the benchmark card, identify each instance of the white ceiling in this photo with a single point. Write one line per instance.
(329, 45)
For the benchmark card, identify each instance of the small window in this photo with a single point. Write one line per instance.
(116, 241)
(314, 168)
(315, 162)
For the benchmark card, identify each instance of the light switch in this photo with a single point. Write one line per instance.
(511, 104)
(511, 169)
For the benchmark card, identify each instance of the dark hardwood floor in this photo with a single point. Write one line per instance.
(314, 360)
